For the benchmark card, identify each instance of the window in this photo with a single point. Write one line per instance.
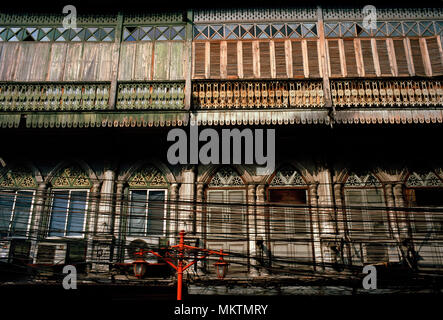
(68, 213)
(15, 213)
(147, 213)
(288, 221)
(226, 213)
(423, 222)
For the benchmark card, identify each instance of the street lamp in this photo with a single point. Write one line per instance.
(139, 264)
(221, 266)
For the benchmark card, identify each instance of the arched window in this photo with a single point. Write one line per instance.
(69, 197)
(366, 218)
(147, 208)
(289, 221)
(17, 190)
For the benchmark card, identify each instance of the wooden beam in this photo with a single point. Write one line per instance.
(272, 58)
(288, 58)
(425, 56)
(409, 60)
(115, 61)
(223, 59)
(189, 52)
(439, 47)
(240, 59)
(359, 58)
(324, 61)
(392, 58)
(256, 58)
(341, 48)
(304, 49)
(207, 59)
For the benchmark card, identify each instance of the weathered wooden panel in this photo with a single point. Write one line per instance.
(297, 60)
(57, 61)
(8, 61)
(143, 61)
(176, 62)
(24, 60)
(104, 72)
(265, 60)
(248, 63)
(368, 60)
(351, 60)
(231, 59)
(199, 59)
(417, 57)
(89, 67)
(434, 56)
(280, 59)
(334, 58)
(40, 62)
(127, 59)
(400, 56)
(161, 60)
(74, 62)
(314, 70)
(383, 58)
(214, 60)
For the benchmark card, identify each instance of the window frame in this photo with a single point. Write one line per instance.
(31, 209)
(82, 236)
(165, 210)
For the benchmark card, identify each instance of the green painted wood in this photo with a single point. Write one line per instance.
(73, 62)
(161, 60)
(177, 61)
(126, 64)
(143, 61)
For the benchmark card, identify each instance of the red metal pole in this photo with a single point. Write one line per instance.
(180, 265)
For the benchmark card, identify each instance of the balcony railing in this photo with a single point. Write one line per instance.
(376, 93)
(151, 95)
(53, 96)
(257, 94)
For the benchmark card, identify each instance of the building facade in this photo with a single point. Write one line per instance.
(357, 114)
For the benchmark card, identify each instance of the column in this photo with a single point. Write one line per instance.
(38, 231)
(262, 240)
(252, 232)
(119, 250)
(94, 199)
(186, 197)
(316, 247)
(173, 209)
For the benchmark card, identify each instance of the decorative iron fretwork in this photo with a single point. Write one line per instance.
(53, 96)
(58, 34)
(226, 176)
(257, 94)
(349, 29)
(368, 180)
(148, 176)
(387, 92)
(340, 14)
(71, 177)
(151, 33)
(18, 178)
(287, 176)
(255, 31)
(151, 95)
(55, 20)
(153, 17)
(429, 179)
(256, 14)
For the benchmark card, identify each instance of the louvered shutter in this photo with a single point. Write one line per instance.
(400, 56)
(280, 60)
(248, 66)
(417, 57)
(236, 222)
(232, 70)
(215, 212)
(368, 60)
(199, 60)
(351, 62)
(297, 59)
(434, 56)
(383, 57)
(334, 58)
(214, 60)
(265, 60)
(354, 199)
(313, 59)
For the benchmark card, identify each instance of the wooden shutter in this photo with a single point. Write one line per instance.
(248, 64)
(297, 59)
(265, 60)
(400, 56)
(383, 57)
(313, 59)
(368, 60)
(237, 221)
(417, 58)
(434, 56)
(351, 62)
(280, 59)
(215, 212)
(354, 214)
(232, 59)
(214, 61)
(199, 60)
(334, 58)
